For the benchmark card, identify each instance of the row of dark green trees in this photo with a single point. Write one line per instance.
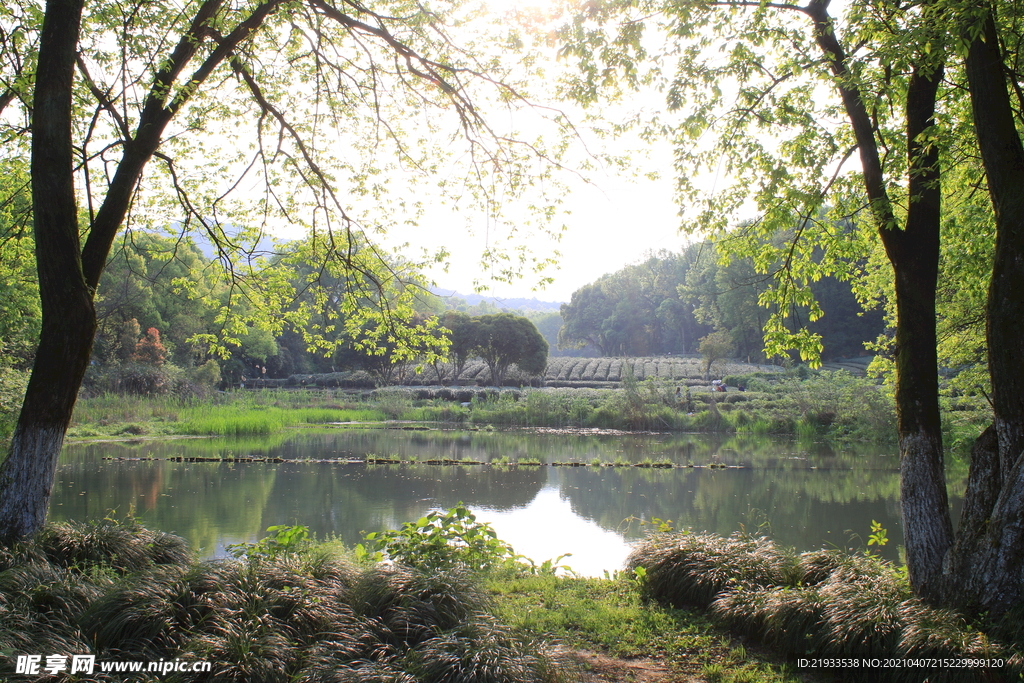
(670, 302)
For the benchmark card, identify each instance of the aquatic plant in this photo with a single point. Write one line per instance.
(452, 538)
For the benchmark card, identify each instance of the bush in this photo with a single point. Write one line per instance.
(692, 569)
(440, 540)
(206, 375)
(12, 391)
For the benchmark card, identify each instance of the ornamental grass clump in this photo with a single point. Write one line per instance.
(823, 604)
(124, 546)
(282, 610)
(687, 568)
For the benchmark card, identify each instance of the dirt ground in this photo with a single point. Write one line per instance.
(600, 668)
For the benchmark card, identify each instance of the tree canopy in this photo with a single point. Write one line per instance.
(236, 119)
(668, 302)
(503, 339)
(823, 119)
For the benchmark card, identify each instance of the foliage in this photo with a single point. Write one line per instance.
(669, 301)
(12, 389)
(149, 350)
(879, 534)
(144, 286)
(440, 540)
(504, 339)
(714, 347)
(206, 375)
(462, 336)
(832, 403)
(281, 540)
(636, 311)
(19, 290)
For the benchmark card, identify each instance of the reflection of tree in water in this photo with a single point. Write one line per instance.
(804, 508)
(203, 502)
(210, 502)
(213, 503)
(344, 500)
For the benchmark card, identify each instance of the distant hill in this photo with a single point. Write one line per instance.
(265, 247)
(515, 303)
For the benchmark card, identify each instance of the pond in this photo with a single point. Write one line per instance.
(804, 495)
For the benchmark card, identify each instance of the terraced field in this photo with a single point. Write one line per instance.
(608, 372)
(589, 373)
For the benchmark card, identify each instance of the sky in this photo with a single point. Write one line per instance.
(612, 222)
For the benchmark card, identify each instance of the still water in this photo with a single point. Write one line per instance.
(803, 495)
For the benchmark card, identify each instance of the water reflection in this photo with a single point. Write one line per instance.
(805, 496)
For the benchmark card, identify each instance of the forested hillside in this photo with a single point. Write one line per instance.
(670, 302)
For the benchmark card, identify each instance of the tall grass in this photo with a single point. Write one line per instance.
(819, 407)
(240, 420)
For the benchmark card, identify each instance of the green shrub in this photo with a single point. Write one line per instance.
(440, 540)
(12, 391)
(282, 540)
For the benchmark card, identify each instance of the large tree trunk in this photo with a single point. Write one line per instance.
(914, 254)
(913, 251)
(68, 317)
(985, 567)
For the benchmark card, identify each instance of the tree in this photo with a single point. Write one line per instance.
(726, 297)
(886, 65)
(144, 279)
(984, 568)
(583, 318)
(463, 332)
(504, 339)
(137, 83)
(636, 311)
(149, 349)
(715, 347)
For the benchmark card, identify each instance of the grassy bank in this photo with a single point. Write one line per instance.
(229, 414)
(828, 405)
(610, 618)
(456, 604)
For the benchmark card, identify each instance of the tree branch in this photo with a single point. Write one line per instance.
(154, 119)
